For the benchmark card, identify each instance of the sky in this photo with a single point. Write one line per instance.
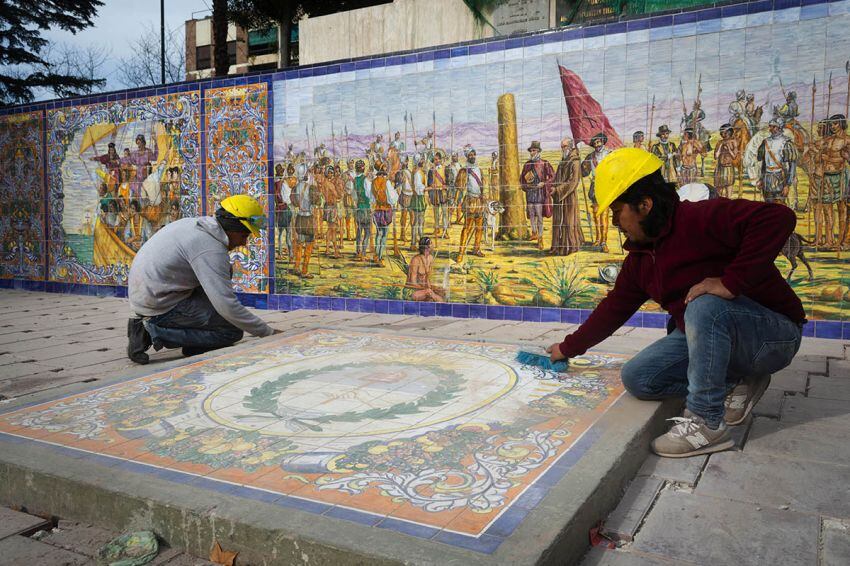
(119, 22)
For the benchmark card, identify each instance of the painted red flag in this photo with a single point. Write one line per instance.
(586, 116)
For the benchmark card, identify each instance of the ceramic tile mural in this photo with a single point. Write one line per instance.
(698, 88)
(116, 172)
(467, 149)
(22, 247)
(444, 435)
(236, 126)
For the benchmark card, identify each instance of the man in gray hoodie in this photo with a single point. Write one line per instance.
(180, 286)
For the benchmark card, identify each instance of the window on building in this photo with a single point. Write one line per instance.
(231, 52)
(293, 45)
(262, 42)
(263, 67)
(203, 57)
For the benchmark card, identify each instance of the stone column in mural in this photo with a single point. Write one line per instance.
(512, 225)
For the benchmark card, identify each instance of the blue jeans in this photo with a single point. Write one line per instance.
(724, 342)
(193, 322)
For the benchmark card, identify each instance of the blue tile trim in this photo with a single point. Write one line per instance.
(828, 329)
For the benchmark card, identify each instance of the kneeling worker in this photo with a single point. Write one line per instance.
(180, 286)
(710, 264)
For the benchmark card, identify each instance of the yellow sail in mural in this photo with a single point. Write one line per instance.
(95, 133)
(108, 247)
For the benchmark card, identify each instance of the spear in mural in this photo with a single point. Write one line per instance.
(395, 233)
(413, 127)
(333, 139)
(315, 138)
(829, 94)
(847, 96)
(651, 119)
(307, 132)
(452, 145)
(405, 130)
(434, 132)
(347, 151)
(812, 137)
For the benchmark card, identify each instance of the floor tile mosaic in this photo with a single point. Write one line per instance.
(431, 437)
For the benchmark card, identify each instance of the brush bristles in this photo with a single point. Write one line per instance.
(541, 361)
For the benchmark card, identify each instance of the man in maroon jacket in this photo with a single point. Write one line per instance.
(710, 264)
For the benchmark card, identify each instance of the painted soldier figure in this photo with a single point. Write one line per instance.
(331, 194)
(384, 199)
(404, 183)
(739, 110)
(398, 143)
(418, 204)
(493, 176)
(667, 151)
(588, 168)
(726, 155)
(535, 180)
(283, 184)
(778, 157)
(438, 196)
(690, 149)
(455, 193)
(567, 236)
(471, 181)
(361, 191)
(694, 120)
(789, 111)
(307, 199)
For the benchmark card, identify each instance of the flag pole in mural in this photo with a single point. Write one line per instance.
(586, 115)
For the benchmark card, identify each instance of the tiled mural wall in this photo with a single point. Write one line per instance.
(486, 148)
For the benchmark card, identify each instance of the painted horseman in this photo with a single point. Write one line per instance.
(693, 120)
(738, 112)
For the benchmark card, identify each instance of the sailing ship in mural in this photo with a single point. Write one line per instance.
(117, 173)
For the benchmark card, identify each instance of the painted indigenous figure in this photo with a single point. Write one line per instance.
(419, 275)
(778, 157)
(438, 196)
(142, 159)
(690, 149)
(535, 181)
(638, 139)
(567, 236)
(726, 155)
(111, 160)
(404, 183)
(667, 152)
(307, 198)
(331, 192)
(360, 189)
(384, 199)
(835, 156)
(493, 177)
(138, 230)
(588, 168)
(417, 201)
(470, 180)
(284, 182)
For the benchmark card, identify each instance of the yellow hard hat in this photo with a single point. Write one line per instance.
(247, 210)
(619, 170)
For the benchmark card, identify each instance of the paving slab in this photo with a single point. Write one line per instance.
(617, 557)
(795, 381)
(687, 527)
(14, 522)
(79, 538)
(740, 432)
(684, 471)
(827, 412)
(809, 364)
(769, 481)
(801, 441)
(770, 404)
(23, 550)
(839, 368)
(835, 388)
(624, 521)
(836, 543)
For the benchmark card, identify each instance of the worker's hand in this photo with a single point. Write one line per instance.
(709, 286)
(555, 352)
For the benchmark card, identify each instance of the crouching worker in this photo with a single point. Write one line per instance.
(710, 264)
(180, 286)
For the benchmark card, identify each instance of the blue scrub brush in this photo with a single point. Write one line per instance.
(541, 360)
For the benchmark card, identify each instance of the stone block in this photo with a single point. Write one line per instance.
(827, 412)
(624, 521)
(14, 523)
(814, 364)
(770, 404)
(789, 380)
(23, 550)
(800, 441)
(79, 538)
(760, 479)
(836, 542)
(739, 432)
(679, 470)
(835, 388)
(692, 529)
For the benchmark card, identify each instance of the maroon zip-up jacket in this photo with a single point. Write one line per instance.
(736, 240)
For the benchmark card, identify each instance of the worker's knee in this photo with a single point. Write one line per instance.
(705, 307)
(231, 335)
(636, 379)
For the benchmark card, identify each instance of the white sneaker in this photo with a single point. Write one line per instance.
(690, 436)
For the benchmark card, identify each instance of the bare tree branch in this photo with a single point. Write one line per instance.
(142, 67)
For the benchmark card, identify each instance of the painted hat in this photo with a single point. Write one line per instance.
(535, 145)
(663, 129)
(600, 136)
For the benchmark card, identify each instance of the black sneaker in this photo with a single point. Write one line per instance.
(138, 341)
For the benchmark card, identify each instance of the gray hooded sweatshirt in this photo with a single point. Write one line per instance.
(182, 256)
